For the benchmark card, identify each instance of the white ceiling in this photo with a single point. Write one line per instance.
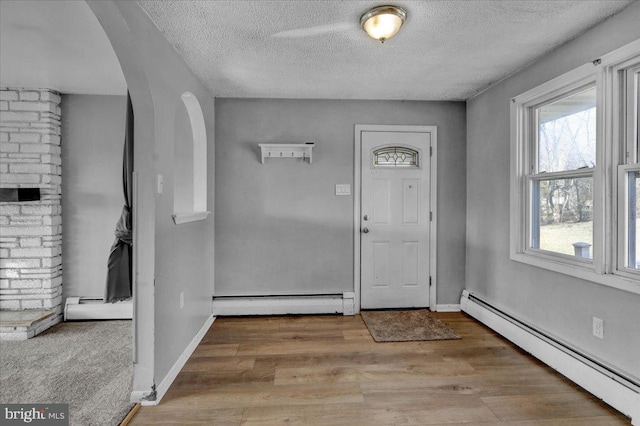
(447, 50)
(56, 45)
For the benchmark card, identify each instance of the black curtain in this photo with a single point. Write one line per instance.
(119, 280)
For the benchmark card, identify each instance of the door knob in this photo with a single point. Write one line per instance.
(365, 230)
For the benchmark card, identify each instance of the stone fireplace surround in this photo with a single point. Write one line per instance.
(30, 231)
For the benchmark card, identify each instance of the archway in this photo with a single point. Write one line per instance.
(112, 20)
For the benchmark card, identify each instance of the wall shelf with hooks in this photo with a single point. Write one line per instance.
(287, 150)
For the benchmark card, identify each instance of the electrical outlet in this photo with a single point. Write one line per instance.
(181, 299)
(598, 328)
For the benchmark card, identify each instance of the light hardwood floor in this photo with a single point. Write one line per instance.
(327, 370)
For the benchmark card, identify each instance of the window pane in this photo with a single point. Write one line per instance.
(563, 216)
(395, 156)
(567, 133)
(633, 258)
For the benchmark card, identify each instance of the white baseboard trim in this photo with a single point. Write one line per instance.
(284, 305)
(447, 308)
(164, 385)
(606, 385)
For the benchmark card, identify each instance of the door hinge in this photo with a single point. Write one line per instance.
(430, 216)
(430, 151)
(429, 281)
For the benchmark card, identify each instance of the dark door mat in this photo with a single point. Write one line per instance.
(406, 326)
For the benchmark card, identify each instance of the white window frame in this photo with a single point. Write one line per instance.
(531, 175)
(608, 198)
(625, 129)
(623, 184)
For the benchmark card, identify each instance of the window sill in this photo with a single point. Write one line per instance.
(609, 280)
(180, 218)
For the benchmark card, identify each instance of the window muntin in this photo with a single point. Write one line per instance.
(395, 156)
(563, 163)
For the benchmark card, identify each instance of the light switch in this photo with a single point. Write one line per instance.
(343, 189)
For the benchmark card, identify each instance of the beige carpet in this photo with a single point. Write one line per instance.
(406, 326)
(87, 365)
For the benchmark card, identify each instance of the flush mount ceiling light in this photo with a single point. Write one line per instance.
(383, 22)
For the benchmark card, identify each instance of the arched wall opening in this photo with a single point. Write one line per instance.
(115, 26)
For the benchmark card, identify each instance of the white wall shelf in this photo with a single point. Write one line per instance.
(287, 150)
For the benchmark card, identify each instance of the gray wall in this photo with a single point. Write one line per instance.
(182, 252)
(279, 227)
(92, 198)
(557, 303)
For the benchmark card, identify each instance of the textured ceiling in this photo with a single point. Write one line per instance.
(57, 45)
(447, 50)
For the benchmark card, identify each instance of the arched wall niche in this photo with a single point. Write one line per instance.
(190, 162)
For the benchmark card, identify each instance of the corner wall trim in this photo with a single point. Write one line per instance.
(164, 385)
(139, 396)
(284, 305)
(612, 388)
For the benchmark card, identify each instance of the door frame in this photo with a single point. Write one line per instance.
(357, 202)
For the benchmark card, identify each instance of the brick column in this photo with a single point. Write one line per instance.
(31, 231)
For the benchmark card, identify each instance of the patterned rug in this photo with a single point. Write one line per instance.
(406, 326)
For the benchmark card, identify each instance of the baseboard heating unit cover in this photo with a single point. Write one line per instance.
(614, 387)
(94, 308)
(284, 305)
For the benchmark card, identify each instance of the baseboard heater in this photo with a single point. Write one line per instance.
(94, 308)
(340, 303)
(614, 387)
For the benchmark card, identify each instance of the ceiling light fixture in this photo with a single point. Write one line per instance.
(383, 22)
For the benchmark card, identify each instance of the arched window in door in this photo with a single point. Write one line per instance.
(395, 156)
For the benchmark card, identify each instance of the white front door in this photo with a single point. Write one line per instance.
(395, 219)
